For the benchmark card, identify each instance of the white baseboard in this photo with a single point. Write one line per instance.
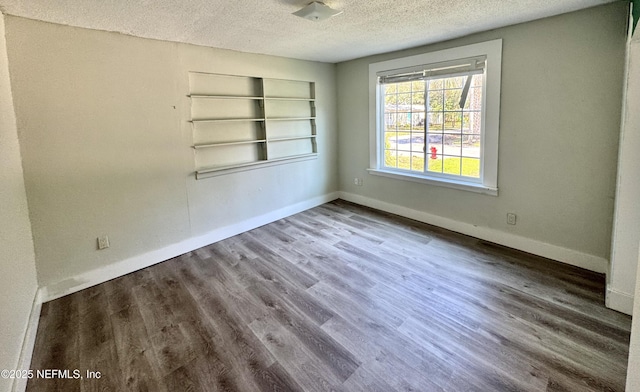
(29, 341)
(617, 300)
(554, 252)
(123, 267)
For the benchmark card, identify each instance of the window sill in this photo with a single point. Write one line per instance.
(461, 185)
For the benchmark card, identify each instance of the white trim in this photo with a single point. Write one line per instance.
(554, 252)
(623, 116)
(123, 267)
(491, 101)
(622, 153)
(447, 183)
(617, 300)
(29, 341)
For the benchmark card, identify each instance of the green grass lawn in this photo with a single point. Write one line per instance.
(470, 166)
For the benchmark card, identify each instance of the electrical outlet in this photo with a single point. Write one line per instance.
(103, 242)
(511, 218)
(357, 181)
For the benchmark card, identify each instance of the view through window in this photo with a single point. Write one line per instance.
(434, 125)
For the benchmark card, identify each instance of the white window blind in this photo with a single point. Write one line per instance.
(469, 66)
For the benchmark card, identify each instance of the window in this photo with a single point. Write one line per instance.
(435, 117)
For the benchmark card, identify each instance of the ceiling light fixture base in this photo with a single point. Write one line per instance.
(317, 11)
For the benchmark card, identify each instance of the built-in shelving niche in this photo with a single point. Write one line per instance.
(242, 122)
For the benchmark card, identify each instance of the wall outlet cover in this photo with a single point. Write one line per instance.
(103, 242)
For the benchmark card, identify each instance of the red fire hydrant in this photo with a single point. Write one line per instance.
(434, 151)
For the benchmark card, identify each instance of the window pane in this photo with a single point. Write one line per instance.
(474, 99)
(436, 123)
(417, 162)
(436, 84)
(417, 85)
(390, 88)
(471, 167)
(452, 99)
(452, 122)
(417, 118)
(413, 118)
(390, 102)
(435, 164)
(436, 99)
(471, 146)
(390, 121)
(472, 122)
(434, 145)
(466, 126)
(390, 158)
(477, 81)
(404, 102)
(410, 119)
(404, 87)
(390, 140)
(402, 121)
(404, 141)
(418, 100)
(404, 160)
(451, 165)
(452, 145)
(417, 141)
(457, 82)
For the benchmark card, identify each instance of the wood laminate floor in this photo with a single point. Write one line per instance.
(340, 298)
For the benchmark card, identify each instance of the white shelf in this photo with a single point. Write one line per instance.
(232, 115)
(209, 145)
(227, 120)
(227, 167)
(225, 97)
(222, 170)
(299, 156)
(289, 118)
(256, 98)
(289, 99)
(282, 139)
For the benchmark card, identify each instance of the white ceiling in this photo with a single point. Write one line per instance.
(266, 26)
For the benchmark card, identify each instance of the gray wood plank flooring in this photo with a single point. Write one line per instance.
(340, 298)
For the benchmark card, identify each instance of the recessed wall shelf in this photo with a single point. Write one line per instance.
(288, 99)
(223, 97)
(196, 146)
(228, 120)
(289, 118)
(280, 139)
(219, 170)
(242, 122)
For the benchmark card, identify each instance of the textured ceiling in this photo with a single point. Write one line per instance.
(266, 26)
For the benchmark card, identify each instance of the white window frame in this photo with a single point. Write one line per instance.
(488, 182)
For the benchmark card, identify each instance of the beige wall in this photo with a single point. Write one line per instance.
(559, 126)
(18, 278)
(103, 128)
